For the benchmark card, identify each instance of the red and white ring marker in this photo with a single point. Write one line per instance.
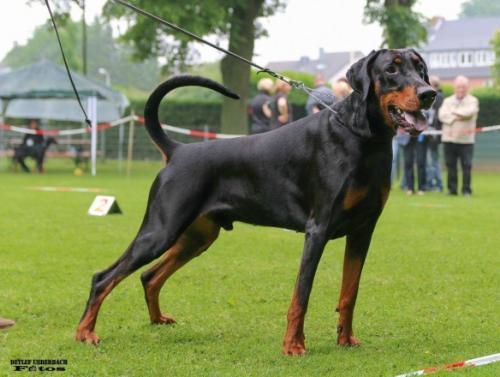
(178, 130)
(480, 361)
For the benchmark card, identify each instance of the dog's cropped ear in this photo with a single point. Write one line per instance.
(359, 74)
(426, 74)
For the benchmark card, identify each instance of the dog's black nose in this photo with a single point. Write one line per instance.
(426, 96)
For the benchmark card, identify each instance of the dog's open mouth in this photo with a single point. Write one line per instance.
(413, 122)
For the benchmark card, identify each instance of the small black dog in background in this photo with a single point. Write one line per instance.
(36, 152)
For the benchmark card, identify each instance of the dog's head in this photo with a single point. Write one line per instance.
(49, 141)
(394, 84)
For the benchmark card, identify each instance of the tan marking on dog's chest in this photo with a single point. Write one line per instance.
(353, 196)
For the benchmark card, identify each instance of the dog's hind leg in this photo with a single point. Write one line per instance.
(154, 237)
(193, 241)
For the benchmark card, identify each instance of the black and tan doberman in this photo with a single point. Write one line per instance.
(327, 175)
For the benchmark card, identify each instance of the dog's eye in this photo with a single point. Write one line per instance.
(421, 70)
(391, 70)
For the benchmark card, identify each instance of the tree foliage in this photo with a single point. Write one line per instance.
(209, 17)
(59, 7)
(103, 52)
(496, 66)
(480, 8)
(233, 20)
(43, 45)
(402, 26)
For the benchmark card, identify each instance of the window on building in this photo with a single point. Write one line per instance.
(479, 57)
(433, 60)
(465, 59)
(452, 56)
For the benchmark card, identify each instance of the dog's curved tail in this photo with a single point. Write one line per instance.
(153, 126)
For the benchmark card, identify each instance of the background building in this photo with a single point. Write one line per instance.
(461, 47)
(332, 65)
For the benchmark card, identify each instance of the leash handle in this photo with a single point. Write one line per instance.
(293, 83)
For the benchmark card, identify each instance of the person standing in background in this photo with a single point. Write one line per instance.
(341, 89)
(280, 108)
(434, 180)
(260, 113)
(458, 115)
(320, 91)
(414, 151)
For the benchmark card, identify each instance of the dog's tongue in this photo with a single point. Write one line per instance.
(417, 121)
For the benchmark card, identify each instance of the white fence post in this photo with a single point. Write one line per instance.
(92, 111)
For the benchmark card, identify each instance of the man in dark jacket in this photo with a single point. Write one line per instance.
(259, 109)
(320, 91)
(434, 180)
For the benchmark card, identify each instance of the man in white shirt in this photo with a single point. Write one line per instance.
(458, 115)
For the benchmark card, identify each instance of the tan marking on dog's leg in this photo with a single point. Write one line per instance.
(196, 239)
(353, 196)
(293, 343)
(349, 291)
(85, 331)
(350, 282)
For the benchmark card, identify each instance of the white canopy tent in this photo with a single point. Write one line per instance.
(43, 91)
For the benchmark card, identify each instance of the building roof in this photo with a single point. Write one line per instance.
(329, 64)
(467, 33)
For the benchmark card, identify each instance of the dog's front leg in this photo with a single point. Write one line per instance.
(313, 249)
(354, 258)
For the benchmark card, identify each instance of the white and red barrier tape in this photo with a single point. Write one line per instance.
(480, 361)
(196, 133)
(78, 131)
(178, 130)
(472, 130)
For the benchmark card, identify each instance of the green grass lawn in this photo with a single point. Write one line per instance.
(429, 293)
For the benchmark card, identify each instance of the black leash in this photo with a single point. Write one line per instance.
(87, 120)
(293, 83)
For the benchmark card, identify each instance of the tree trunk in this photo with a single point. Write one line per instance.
(235, 73)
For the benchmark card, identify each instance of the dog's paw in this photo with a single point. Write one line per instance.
(87, 336)
(348, 341)
(163, 320)
(294, 348)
